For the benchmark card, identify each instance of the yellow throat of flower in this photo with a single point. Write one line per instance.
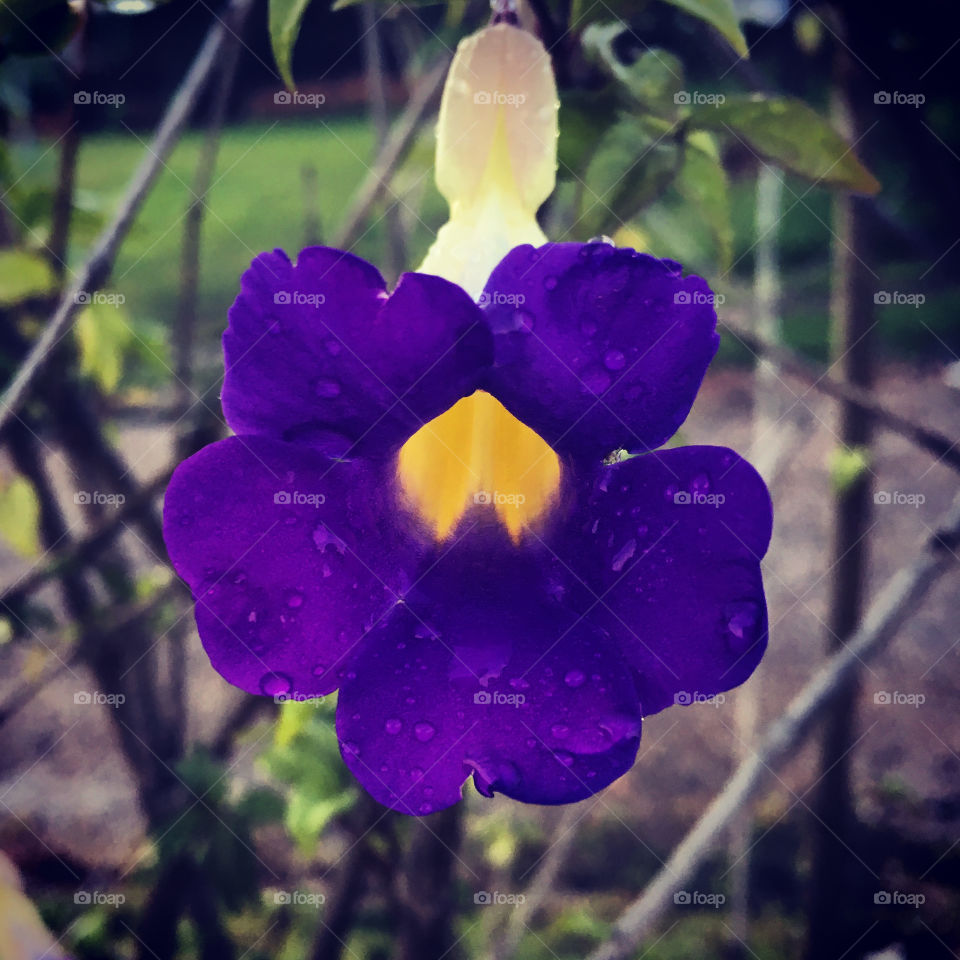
(496, 164)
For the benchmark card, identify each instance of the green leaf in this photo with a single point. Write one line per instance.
(23, 275)
(634, 163)
(788, 133)
(285, 18)
(702, 181)
(721, 15)
(103, 334)
(653, 80)
(20, 516)
(847, 466)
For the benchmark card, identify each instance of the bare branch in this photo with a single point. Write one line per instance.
(98, 266)
(897, 600)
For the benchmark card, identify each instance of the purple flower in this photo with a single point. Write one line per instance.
(527, 661)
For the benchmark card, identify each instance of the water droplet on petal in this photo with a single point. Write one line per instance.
(275, 684)
(565, 758)
(294, 599)
(350, 748)
(560, 730)
(518, 683)
(743, 622)
(327, 389)
(596, 380)
(614, 360)
(602, 238)
(550, 283)
(575, 678)
(424, 731)
(623, 555)
(393, 726)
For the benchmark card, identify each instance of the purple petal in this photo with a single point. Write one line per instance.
(663, 551)
(482, 673)
(317, 351)
(597, 348)
(290, 556)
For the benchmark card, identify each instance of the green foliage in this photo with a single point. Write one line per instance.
(847, 466)
(285, 19)
(103, 335)
(703, 182)
(19, 515)
(721, 15)
(787, 132)
(305, 755)
(217, 832)
(23, 274)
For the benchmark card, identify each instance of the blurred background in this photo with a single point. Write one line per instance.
(147, 809)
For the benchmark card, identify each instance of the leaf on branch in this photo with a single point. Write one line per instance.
(721, 15)
(103, 335)
(23, 275)
(703, 182)
(787, 132)
(633, 165)
(285, 19)
(19, 516)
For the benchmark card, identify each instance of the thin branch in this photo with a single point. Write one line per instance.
(98, 266)
(898, 598)
(85, 550)
(939, 445)
(401, 137)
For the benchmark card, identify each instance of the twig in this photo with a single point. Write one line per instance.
(404, 129)
(96, 270)
(939, 445)
(896, 601)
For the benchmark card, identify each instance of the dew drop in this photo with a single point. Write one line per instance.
(565, 758)
(424, 731)
(623, 555)
(550, 283)
(518, 683)
(350, 748)
(743, 620)
(596, 380)
(327, 389)
(275, 684)
(575, 678)
(393, 726)
(294, 599)
(560, 730)
(614, 360)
